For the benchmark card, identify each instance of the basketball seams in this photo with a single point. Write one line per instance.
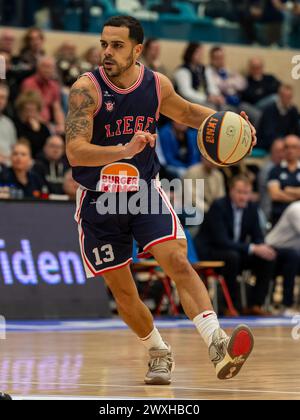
(202, 138)
(219, 136)
(237, 144)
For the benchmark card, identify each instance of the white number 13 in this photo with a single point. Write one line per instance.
(109, 254)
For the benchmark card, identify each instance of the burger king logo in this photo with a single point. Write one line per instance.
(119, 177)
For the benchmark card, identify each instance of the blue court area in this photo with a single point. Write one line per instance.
(167, 323)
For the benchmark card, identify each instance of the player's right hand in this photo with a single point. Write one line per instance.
(139, 142)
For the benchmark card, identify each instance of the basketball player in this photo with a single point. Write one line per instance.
(111, 128)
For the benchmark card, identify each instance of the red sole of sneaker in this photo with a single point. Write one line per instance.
(240, 346)
(242, 343)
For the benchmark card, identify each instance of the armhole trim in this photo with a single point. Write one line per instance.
(98, 90)
(158, 92)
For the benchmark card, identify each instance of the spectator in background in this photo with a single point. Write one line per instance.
(43, 82)
(33, 47)
(16, 72)
(261, 88)
(67, 62)
(70, 186)
(230, 172)
(8, 135)
(291, 12)
(91, 60)
(231, 232)
(69, 69)
(25, 182)
(7, 41)
(28, 121)
(179, 146)
(224, 86)
(190, 77)
(285, 235)
(284, 179)
(277, 155)
(279, 119)
(214, 186)
(151, 55)
(51, 165)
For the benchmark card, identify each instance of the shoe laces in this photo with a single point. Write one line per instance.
(161, 363)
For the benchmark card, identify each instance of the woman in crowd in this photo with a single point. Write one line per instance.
(28, 122)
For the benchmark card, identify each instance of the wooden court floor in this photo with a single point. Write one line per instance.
(111, 364)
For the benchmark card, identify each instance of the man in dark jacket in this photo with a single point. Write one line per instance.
(231, 232)
(51, 164)
(278, 119)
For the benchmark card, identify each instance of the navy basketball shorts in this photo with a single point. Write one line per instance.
(106, 240)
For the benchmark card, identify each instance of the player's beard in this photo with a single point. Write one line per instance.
(120, 68)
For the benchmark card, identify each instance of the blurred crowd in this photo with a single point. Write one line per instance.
(267, 22)
(252, 209)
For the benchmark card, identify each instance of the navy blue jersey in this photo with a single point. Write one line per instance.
(120, 114)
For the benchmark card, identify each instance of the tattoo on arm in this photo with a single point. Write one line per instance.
(79, 121)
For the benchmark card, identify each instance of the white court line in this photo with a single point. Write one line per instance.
(104, 385)
(90, 398)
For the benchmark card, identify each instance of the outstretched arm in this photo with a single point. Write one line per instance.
(184, 112)
(180, 110)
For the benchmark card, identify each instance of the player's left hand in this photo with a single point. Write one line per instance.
(253, 130)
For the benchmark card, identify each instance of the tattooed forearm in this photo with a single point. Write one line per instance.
(79, 122)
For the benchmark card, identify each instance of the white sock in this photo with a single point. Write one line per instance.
(207, 323)
(154, 341)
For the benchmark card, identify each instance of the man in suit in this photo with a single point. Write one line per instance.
(231, 232)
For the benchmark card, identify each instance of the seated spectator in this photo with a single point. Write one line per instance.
(284, 179)
(262, 88)
(285, 235)
(279, 119)
(91, 60)
(68, 65)
(28, 121)
(230, 172)
(43, 82)
(224, 86)
(51, 165)
(231, 233)
(8, 134)
(33, 47)
(70, 186)
(20, 178)
(214, 185)
(179, 146)
(7, 41)
(276, 156)
(16, 72)
(151, 55)
(190, 77)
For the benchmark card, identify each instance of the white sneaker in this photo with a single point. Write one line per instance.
(161, 365)
(229, 354)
